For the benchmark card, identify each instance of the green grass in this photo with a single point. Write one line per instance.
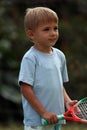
(69, 126)
(74, 126)
(11, 127)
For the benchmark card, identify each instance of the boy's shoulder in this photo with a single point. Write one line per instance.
(59, 52)
(29, 53)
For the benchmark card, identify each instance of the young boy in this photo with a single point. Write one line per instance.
(43, 72)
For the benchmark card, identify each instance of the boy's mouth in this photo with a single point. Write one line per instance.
(52, 40)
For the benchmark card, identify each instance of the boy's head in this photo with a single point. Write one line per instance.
(38, 15)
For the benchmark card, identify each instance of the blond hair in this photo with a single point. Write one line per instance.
(38, 15)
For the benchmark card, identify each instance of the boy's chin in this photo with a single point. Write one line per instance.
(52, 44)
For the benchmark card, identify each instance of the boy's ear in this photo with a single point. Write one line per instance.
(29, 34)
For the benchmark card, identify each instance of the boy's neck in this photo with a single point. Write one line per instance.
(48, 50)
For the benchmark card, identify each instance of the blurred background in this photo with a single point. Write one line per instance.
(14, 43)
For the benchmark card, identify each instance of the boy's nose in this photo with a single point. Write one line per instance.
(52, 32)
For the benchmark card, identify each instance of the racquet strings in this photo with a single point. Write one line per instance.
(83, 110)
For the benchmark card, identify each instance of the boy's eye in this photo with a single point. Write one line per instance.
(46, 29)
(56, 28)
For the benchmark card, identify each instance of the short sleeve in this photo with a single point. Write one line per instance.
(27, 71)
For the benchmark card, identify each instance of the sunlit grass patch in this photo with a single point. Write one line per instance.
(74, 126)
(68, 126)
(11, 127)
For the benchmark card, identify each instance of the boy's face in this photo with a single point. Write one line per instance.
(45, 35)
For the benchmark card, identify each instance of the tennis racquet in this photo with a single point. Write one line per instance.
(72, 115)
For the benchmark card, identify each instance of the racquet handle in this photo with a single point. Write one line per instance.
(45, 122)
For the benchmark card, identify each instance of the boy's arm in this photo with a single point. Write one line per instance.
(68, 102)
(66, 97)
(28, 93)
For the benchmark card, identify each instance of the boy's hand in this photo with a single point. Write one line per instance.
(50, 117)
(70, 104)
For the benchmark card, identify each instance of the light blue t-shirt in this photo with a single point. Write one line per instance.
(46, 73)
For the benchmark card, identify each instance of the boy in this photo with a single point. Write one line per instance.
(43, 72)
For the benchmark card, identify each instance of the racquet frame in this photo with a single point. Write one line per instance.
(70, 114)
